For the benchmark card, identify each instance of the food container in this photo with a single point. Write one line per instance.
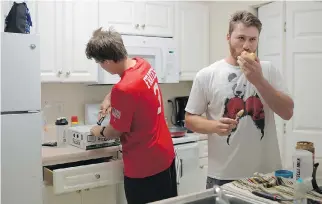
(305, 145)
(177, 131)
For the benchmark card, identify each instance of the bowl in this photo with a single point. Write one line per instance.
(177, 131)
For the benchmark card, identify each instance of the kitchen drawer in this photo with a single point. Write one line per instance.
(203, 148)
(80, 175)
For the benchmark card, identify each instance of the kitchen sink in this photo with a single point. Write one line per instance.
(212, 200)
(215, 195)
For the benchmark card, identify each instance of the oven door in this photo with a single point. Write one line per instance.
(150, 54)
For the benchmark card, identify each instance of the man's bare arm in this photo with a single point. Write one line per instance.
(111, 133)
(279, 102)
(199, 124)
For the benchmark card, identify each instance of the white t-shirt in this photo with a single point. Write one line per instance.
(222, 90)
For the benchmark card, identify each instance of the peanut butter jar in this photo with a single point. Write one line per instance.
(305, 145)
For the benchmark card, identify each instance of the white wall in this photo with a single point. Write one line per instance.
(70, 99)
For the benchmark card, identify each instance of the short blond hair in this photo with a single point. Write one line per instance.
(246, 18)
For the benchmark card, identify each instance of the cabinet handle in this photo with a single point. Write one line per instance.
(143, 26)
(137, 25)
(32, 46)
(181, 168)
(68, 73)
(87, 189)
(60, 72)
(97, 176)
(78, 191)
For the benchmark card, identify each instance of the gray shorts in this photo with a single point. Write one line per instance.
(212, 181)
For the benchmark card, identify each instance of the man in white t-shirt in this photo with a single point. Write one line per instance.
(239, 147)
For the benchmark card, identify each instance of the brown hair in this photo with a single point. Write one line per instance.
(246, 18)
(106, 45)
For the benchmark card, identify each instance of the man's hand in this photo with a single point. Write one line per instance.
(96, 130)
(105, 107)
(224, 126)
(251, 68)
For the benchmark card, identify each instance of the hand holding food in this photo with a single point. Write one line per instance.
(251, 67)
(224, 126)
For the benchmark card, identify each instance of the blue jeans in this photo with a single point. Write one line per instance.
(212, 181)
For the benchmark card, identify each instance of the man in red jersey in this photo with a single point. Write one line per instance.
(137, 117)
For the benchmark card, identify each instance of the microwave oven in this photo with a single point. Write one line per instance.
(160, 52)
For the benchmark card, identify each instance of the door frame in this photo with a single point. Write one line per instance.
(280, 122)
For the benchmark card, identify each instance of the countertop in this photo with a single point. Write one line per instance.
(59, 155)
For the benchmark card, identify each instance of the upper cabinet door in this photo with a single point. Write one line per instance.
(48, 24)
(192, 35)
(121, 15)
(80, 21)
(157, 18)
(138, 18)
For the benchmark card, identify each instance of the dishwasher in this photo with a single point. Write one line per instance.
(187, 163)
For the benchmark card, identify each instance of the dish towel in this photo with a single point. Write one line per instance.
(270, 184)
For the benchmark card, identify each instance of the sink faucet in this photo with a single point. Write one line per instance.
(220, 198)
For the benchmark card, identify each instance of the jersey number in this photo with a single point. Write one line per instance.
(157, 93)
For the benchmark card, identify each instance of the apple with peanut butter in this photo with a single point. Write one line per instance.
(249, 55)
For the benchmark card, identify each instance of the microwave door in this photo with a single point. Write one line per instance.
(152, 55)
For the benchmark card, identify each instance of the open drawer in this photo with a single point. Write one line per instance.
(80, 175)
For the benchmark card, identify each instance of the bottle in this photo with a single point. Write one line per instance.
(301, 188)
(61, 127)
(306, 145)
(302, 165)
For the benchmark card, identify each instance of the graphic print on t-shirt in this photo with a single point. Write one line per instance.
(252, 106)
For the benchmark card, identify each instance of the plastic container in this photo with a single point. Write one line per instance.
(284, 173)
(302, 165)
(301, 188)
(61, 127)
(306, 145)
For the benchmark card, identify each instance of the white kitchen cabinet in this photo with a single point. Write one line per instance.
(48, 23)
(66, 198)
(81, 20)
(203, 167)
(138, 18)
(64, 28)
(99, 195)
(121, 198)
(203, 164)
(192, 36)
(188, 172)
(92, 181)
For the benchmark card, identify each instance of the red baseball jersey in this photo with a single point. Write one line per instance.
(137, 110)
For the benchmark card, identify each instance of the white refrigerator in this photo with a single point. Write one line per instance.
(21, 121)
